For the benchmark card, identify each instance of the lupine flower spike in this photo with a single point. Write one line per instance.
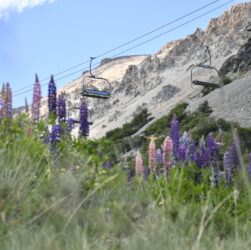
(202, 158)
(70, 122)
(8, 101)
(167, 153)
(234, 152)
(182, 152)
(61, 109)
(175, 136)
(139, 168)
(249, 166)
(187, 147)
(191, 151)
(213, 148)
(52, 97)
(159, 158)
(55, 134)
(185, 138)
(36, 101)
(227, 163)
(83, 120)
(152, 154)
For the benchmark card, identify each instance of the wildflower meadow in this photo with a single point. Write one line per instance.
(184, 183)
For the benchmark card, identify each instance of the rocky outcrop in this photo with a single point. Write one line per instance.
(166, 93)
(241, 62)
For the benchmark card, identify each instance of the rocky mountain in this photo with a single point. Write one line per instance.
(162, 80)
(241, 62)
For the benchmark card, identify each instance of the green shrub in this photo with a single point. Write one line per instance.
(245, 137)
(139, 120)
(162, 125)
(204, 127)
(206, 90)
(226, 80)
(205, 108)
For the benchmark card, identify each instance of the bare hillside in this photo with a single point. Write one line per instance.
(232, 102)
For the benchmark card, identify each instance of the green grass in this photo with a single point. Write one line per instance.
(68, 201)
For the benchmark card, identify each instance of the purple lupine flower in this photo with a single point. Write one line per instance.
(83, 120)
(191, 151)
(227, 164)
(3, 96)
(174, 134)
(185, 138)
(107, 165)
(202, 158)
(46, 138)
(234, 152)
(249, 166)
(61, 109)
(8, 101)
(52, 96)
(212, 148)
(36, 101)
(182, 152)
(199, 159)
(71, 122)
(55, 135)
(210, 144)
(159, 158)
(146, 173)
(1, 107)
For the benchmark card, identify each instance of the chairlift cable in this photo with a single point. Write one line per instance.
(131, 48)
(124, 44)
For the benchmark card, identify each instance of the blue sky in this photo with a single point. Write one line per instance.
(51, 37)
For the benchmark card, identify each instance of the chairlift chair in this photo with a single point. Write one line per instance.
(206, 67)
(204, 83)
(95, 92)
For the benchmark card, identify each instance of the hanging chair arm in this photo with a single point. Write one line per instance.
(191, 75)
(209, 54)
(90, 70)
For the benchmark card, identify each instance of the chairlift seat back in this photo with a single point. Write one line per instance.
(90, 92)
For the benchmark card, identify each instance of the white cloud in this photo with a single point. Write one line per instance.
(18, 5)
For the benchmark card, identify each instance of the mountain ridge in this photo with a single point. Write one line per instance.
(140, 81)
